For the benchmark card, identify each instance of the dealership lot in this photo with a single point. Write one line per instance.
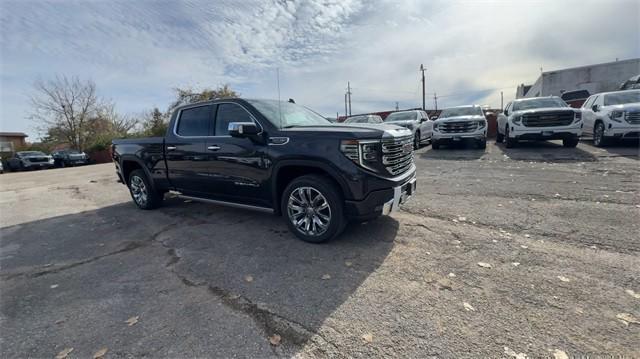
(530, 250)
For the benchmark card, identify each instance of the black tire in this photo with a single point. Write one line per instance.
(481, 144)
(435, 144)
(570, 142)
(152, 199)
(510, 142)
(416, 141)
(330, 194)
(599, 139)
(499, 137)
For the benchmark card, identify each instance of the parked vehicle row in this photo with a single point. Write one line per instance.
(32, 160)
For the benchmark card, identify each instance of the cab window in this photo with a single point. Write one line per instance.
(194, 121)
(227, 113)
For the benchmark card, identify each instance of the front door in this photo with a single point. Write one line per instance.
(238, 167)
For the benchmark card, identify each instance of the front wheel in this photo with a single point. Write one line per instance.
(435, 144)
(313, 208)
(482, 144)
(599, 140)
(570, 142)
(142, 192)
(510, 142)
(499, 137)
(416, 141)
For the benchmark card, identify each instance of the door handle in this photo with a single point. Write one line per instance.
(171, 148)
(213, 148)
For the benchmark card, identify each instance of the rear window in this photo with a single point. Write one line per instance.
(194, 121)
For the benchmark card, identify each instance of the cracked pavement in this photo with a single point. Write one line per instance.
(559, 228)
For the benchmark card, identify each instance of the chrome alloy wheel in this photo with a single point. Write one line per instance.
(139, 190)
(309, 211)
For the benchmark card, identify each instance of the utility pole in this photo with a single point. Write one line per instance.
(349, 95)
(501, 100)
(435, 100)
(422, 69)
(345, 105)
(397, 106)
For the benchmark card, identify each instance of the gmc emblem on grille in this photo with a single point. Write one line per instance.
(407, 148)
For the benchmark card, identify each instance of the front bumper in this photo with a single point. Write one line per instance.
(31, 165)
(476, 135)
(622, 131)
(381, 202)
(545, 133)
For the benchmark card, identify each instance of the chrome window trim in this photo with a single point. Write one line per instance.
(179, 114)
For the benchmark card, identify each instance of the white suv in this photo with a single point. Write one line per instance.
(612, 115)
(539, 118)
(457, 124)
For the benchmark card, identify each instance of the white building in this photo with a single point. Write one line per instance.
(593, 78)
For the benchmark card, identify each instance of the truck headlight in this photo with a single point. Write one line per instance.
(482, 123)
(577, 117)
(517, 120)
(616, 116)
(361, 152)
(435, 126)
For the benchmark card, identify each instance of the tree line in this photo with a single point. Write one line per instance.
(69, 112)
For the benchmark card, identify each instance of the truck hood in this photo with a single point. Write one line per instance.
(402, 123)
(544, 109)
(460, 118)
(352, 130)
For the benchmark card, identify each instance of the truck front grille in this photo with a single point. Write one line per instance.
(458, 127)
(397, 154)
(38, 159)
(548, 119)
(632, 117)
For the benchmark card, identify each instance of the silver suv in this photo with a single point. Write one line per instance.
(457, 124)
(415, 120)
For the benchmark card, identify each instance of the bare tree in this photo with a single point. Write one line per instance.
(118, 125)
(187, 95)
(67, 105)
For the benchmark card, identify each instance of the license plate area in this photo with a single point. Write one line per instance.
(547, 133)
(456, 138)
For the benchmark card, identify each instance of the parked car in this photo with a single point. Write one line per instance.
(275, 157)
(575, 98)
(27, 160)
(539, 118)
(415, 120)
(364, 119)
(631, 84)
(612, 116)
(1, 166)
(457, 124)
(68, 157)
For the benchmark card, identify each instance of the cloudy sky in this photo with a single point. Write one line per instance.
(136, 52)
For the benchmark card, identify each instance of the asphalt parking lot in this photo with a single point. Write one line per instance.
(529, 251)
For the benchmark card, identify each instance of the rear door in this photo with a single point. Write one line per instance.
(588, 116)
(186, 153)
(426, 126)
(238, 167)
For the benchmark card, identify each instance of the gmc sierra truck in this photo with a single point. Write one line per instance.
(457, 124)
(276, 157)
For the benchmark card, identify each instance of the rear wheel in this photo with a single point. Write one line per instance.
(313, 208)
(570, 142)
(499, 137)
(510, 142)
(142, 192)
(599, 140)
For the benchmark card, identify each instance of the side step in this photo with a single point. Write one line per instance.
(224, 203)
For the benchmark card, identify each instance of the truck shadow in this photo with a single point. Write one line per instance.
(626, 148)
(247, 260)
(459, 151)
(546, 151)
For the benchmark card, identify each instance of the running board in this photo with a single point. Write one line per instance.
(223, 203)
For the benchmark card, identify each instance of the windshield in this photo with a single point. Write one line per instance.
(538, 103)
(288, 114)
(621, 98)
(31, 153)
(401, 116)
(461, 111)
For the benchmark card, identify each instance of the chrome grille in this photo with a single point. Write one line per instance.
(37, 159)
(458, 126)
(397, 154)
(632, 117)
(548, 119)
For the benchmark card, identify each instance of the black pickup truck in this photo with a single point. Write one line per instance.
(276, 157)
